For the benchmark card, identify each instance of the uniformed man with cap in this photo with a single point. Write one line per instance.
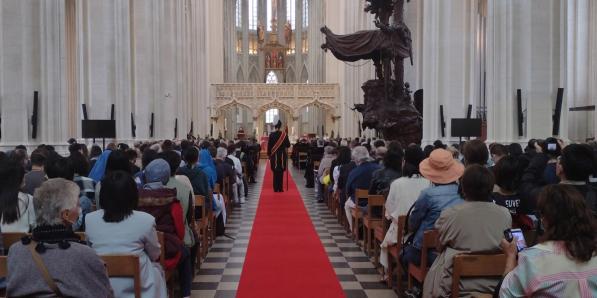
(278, 157)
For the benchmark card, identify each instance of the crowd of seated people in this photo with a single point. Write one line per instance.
(121, 199)
(470, 195)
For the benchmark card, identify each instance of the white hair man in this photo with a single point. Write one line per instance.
(225, 169)
(359, 178)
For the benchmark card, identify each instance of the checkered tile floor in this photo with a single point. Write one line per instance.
(220, 273)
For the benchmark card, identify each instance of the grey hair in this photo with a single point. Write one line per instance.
(53, 197)
(360, 154)
(328, 149)
(221, 152)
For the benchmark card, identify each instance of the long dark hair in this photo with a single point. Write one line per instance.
(568, 219)
(343, 155)
(11, 177)
(508, 172)
(119, 196)
(393, 157)
(413, 155)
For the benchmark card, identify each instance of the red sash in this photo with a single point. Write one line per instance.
(279, 141)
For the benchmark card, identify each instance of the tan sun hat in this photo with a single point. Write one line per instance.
(441, 167)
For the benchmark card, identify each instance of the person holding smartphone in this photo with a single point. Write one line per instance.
(564, 263)
(475, 226)
(573, 166)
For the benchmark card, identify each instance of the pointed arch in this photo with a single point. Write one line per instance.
(290, 76)
(304, 75)
(240, 78)
(254, 76)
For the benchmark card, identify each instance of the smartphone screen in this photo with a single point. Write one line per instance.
(519, 238)
(552, 147)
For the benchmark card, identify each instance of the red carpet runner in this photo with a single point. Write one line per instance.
(285, 257)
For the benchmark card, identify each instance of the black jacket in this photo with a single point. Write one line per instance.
(199, 181)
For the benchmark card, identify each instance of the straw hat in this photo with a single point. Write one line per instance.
(440, 167)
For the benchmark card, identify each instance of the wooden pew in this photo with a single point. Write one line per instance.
(124, 266)
(370, 222)
(476, 265)
(360, 196)
(430, 241)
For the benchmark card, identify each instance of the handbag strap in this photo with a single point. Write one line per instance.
(43, 269)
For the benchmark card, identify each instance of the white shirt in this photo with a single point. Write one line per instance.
(237, 165)
(404, 191)
(26, 221)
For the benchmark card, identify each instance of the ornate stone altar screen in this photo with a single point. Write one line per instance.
(290, 98)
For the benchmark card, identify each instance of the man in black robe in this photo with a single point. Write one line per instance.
(278, 157)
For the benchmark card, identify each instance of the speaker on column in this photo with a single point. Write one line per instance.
(557, 112)
(176, 128)
(34, 116)
(469, 111)
(519, 111)
(191, 131)
(84, 106)
(112, 112)
(442, 121)
(151, 127)
(133, 126)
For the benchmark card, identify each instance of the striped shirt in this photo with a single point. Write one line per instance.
(544, 270)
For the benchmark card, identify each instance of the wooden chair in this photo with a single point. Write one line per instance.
(3, 266)
(476, 265)
(9, 239)
(124, 266)
(3, 272)
(227, 195)
(82, 235)
(360, 196)
(201, 228)
(302, 159)
(394, 255)
(370, 221)
(212, 217)
(430, 241)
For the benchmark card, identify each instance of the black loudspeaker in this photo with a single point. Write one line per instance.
(469, 111)
(101, 129)
(557, 113)
(34, 116)
(133, 126)
(442, 121)
(112, 112)
(84, 106)
(519, 111)
(176, 128)
(0, 127)
(151, 127)
(191, 131)
(418, 100)
(466, 127)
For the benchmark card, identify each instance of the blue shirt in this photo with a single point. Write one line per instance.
(360, 177)
(428, 208)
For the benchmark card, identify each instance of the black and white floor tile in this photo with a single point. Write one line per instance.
(355, 271)
(219, 275)
(220, 272)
